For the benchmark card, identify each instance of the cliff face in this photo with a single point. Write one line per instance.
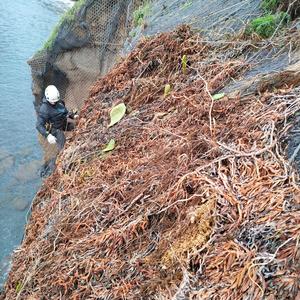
(185, 190)
(84, 48)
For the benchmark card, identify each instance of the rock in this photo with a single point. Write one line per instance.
(268, 75)
(6, 161)
(20, 204)
(3, 153)
(6, 164)
(5, 264)
(28, 172)
(25, 151)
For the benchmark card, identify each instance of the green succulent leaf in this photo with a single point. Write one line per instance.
(110, 146)
(218, 96)
(117, 113)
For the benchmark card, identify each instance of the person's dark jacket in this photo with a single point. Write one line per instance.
(54, 115)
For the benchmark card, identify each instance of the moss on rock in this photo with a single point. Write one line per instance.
(265, 26)
(67, 18)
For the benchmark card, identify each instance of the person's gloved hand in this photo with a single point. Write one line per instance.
(75, 114)
(51, 139)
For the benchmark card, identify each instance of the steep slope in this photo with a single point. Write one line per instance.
(88, 43)
(197, 199)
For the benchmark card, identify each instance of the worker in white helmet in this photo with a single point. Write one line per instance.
(52, 118)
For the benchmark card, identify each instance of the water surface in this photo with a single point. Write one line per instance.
(24, 26)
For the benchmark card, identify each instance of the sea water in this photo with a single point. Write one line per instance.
(24, 27)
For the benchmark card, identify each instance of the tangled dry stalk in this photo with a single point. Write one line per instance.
(197, 201)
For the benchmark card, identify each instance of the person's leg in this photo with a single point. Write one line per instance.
(50, 154)
(70, 126)
(48, 168)
(49, 151)
(60, 139)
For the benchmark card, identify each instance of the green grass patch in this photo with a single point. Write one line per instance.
(270, 5)
(187, 4)
(67, 18)
(292, 7)
(132, 34)
(141, 13)
(265, 26)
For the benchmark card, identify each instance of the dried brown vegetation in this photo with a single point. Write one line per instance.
(196, 201)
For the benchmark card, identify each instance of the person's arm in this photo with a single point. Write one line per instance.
(70, 114)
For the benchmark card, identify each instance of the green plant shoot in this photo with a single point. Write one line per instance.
(184, 63)
(167, 90)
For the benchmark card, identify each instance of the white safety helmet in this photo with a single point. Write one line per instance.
(52, 94)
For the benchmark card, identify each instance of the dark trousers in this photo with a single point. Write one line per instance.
(60, 139)
(60, 136)
(50, 160)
